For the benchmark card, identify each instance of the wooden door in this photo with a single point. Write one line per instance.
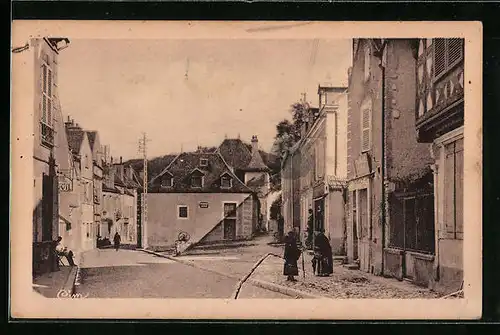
(229, 229)
(365, 231)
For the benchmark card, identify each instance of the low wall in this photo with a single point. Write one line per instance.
(393, 263)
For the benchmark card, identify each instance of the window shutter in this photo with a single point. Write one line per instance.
(455, 50)
(439, 56)
(449, 191)
(365, 135)
(459, 190)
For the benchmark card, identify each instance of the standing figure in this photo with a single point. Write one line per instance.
(310, 225)
(323, 259)
(117, 239)
(291, 256)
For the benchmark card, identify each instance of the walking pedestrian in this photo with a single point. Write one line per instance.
(291, 256)
(323, 259)
(117, 239)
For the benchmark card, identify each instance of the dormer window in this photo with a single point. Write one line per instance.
(197, 181)
(203, 162)
(226, 181)
(167, 181)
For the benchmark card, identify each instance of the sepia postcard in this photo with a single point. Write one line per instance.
(246, 170)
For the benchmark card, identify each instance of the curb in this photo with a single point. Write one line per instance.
(284, 290)
(69, 285)
(259, 283)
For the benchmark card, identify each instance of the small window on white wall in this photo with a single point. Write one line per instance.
(182, 212)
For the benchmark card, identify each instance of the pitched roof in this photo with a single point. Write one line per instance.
(256, 163)
(235, 153)
(75, 139)
(257, 181)
(183, 166)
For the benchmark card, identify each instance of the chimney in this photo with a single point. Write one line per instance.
(255, 144)
(121, 160)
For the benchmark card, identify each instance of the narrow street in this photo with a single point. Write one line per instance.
(107, 273)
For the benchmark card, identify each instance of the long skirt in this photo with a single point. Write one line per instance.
(290, 268)
(322, 266)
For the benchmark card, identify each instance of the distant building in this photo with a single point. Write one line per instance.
(200, 195)
(82, 156)
(120, 184)
(248, 165)
(318, 171)
(97, 169)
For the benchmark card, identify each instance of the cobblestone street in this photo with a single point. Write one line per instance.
(134, 274)
(344, 283)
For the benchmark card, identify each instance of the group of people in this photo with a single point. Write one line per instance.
(322, 262)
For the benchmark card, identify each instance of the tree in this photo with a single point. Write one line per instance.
(289, 132)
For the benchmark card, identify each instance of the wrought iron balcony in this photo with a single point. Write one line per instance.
(47, 135)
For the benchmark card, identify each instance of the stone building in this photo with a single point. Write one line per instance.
(439, 117)
(390, 198)
(79, 145)
(40, 56)
(198, 194)
(314, 171)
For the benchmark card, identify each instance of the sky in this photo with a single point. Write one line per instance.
(185, 93)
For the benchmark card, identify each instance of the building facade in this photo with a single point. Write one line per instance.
(42, 55)
(314, 170)
(198, 195)
(439, 115)
(246, 162)
(390, 198)
(97, 170)
(82, 156)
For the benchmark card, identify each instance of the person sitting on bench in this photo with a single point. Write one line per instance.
(64, 251)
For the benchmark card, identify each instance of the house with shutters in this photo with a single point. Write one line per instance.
(315, 170)
(79, 146)
(200, 196)
(439, 122)
(39, 74)
(97, 170)
(390, 185)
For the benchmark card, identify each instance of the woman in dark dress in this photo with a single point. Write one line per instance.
(323, 260)
(291, 256)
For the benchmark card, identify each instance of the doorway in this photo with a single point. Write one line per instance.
(229, 220)
(319, 214)
(355, 236)
(365, 230)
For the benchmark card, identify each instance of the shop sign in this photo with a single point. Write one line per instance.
(203, 204)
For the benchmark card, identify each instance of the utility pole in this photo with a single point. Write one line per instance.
(144, 205)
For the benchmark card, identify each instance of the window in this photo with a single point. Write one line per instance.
(46, 118)
(197, 181)
(366, 120)
(453, 189)
(203, 162)
(87, 165)
(182, 212)
(367, 63)
(448, 52)
(226, 182)
(230, 210)
(167, 181)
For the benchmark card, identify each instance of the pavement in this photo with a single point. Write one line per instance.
(215, 272)
(57, 283)
(106, 273)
